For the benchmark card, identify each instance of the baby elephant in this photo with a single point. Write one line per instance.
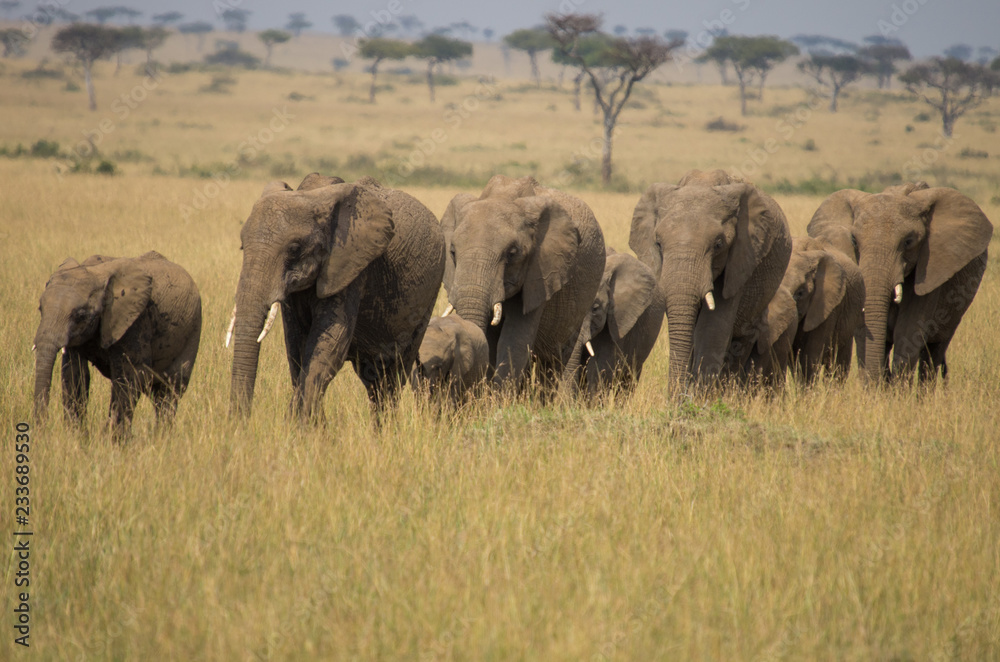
(453, 355)
(811, 321)
(138, 320)
(621, 327)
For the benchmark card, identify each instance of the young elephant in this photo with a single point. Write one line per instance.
(811, 321)
(454, 356)
(138, 320)
(621, 328)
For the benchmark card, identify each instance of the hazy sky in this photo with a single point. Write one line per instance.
(926, 26)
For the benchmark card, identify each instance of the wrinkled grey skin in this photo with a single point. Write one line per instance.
(711, 233)
(540, 254)
(621, 326)
(932, 242)
(811, 321)
(138, 320)
(355, 268)
(454, 357)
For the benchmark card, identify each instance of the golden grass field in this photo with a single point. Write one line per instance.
(839, 522)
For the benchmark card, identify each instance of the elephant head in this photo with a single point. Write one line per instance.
(506, 242)
(452, 350)
(91, 303)
(321, 236)
(703, 239)
(908, 239)
(627, 290)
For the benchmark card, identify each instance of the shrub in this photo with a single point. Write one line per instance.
(44, 149)
(720, 124)
(105, 168)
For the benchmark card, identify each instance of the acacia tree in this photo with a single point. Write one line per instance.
(532, 41)
(346, 24)
(834, 72)
(882, 53)
(15, 42)
(590, 48)
(752, 59)
(269, 39)
(166, 18)
(235, 20)
(87, 43)
(613, 71)
(436, 48)
(297, 22)
(197, 28)
(377, 49)
(951, 87)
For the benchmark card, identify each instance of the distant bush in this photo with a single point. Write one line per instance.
(105, 168)
(181, 67)
(720, 124)
(809, 145)
(41, 72)
(233, 57)
(298, 96)
(969, 153)
(220, 84)
(45, 149)
(922, 117)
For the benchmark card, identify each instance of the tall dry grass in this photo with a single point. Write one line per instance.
(834, 522)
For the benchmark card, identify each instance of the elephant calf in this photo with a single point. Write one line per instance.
(138, 320)
(454, 355)
(811, 321)
(621, 327)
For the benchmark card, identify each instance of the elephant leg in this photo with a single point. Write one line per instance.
(75, 385)
(517, 338)
(295, 319)
(124, 396)
(326, 347)
(383, 377)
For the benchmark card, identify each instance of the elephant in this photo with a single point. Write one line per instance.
(811, 321)
(719, 247)
(532, 257)
(454, 356)
(922, 251)
(138, 320)
(618, 333)
(354, 268)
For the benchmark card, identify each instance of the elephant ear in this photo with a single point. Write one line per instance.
(831, 223)
(642, 236)
(830, 285)
(315, 180)
(126, 296)
(631, 294)
(957, 233)
(276, 186)
(360, 227)
(68, 263)
(780, 315)
(556, 242)
(448, 224)
(759, 221)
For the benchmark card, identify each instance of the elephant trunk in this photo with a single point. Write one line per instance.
(252, 304)
(685, 287)
(879, 290)
(478, 288)
(45, 359)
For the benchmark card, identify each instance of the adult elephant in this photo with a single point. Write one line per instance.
(524, 262)
(922, 252)
(811, 321)
(719, 247)
(355, 270)
(138, 320)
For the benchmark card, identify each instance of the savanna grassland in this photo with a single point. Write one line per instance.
(838, 522)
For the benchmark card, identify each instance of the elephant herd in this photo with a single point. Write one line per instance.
(355, 270)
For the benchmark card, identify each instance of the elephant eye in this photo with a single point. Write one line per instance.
(79, 315)
(909, 242)
(512, 252)
(596, 306)
(294, 250)
(799, 293)
(719, 243)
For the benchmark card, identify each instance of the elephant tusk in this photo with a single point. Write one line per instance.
(590, 348)
(448, 311)
(62, 351)
(710, 301)
(232, 325)
(32, 347)
(497, 313)
(271, 314)
(898, 292)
